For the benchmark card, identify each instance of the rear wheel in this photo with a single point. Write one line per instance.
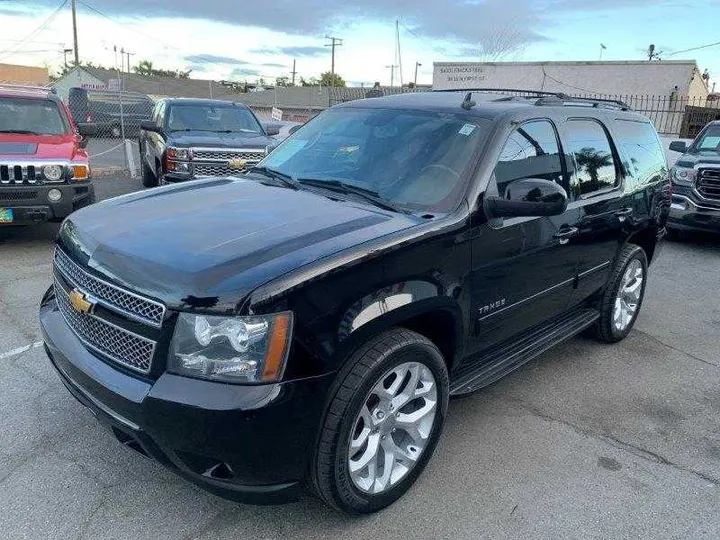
(623, 297)
(383, 422)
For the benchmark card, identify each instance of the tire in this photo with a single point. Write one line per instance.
(148, 176)
(610, 328)
(377, 363)
(675, 235)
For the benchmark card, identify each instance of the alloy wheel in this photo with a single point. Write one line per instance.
(629, 295)
(393, 427)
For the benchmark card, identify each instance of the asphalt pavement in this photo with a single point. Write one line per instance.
(589, 441)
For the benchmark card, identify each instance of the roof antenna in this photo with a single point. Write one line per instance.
(468, 102)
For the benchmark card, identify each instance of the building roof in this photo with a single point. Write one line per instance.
(12, 73)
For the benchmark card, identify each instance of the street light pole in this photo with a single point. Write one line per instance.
(417, 65)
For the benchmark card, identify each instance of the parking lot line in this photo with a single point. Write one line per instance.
(20, 350)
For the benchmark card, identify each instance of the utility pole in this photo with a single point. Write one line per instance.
(122, 60)
(417, 65)
(293, 72)
(75, 42)
(399, 52)
(129, 54)
(392, 75)
(334, 42)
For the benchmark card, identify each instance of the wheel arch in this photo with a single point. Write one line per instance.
(415, 305)
(647, 239)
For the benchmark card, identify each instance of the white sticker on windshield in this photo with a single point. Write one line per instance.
(467, 129)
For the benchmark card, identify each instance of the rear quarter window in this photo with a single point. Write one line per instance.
(643, 157)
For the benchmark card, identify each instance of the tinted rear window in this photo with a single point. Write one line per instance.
(643, 155)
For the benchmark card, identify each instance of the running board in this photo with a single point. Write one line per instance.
(479, 372)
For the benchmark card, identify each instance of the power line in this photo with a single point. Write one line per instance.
(36, 31)
(694, 48)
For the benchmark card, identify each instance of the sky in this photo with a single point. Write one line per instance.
(247, 39)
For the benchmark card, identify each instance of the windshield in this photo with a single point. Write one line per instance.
(710, 141)
(31, 116)
(226, 118)
(414, 159)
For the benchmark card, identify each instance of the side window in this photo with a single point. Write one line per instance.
(531, 151)
(589, 146)
(645, 157)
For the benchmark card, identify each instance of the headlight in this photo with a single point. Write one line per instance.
(683, 175)
(52, 173)
(231, 349)
(178, 153)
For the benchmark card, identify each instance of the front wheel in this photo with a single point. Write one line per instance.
(382, 425)
(149, 178)
(623, 297)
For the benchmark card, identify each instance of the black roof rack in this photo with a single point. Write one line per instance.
(503, 90)
(546, 98)
(562, 99)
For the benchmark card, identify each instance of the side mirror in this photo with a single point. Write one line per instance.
(272, 130)
(529, 197)
(678, 146)
(149, 125)
(85, 131)
(295, 128)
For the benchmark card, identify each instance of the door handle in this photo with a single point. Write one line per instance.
(624, 213)
(565, 234)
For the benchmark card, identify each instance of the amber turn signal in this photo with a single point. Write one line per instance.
(80, 172)
(278, 348)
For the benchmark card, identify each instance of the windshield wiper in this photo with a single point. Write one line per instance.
(350, 189)
(286, 179)
(19, 131)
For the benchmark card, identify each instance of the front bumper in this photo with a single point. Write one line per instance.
(691, 215)
(246, 443)
(30, 203)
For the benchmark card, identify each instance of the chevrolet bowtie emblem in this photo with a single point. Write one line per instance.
(80, 302)
(236, 164)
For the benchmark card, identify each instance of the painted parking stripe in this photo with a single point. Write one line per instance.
(20, 350)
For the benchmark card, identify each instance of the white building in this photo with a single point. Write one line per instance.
(659, 89)
(658, 78)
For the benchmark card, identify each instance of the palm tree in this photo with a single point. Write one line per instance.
(592, 160)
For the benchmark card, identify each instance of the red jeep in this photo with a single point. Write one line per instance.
(44, 169)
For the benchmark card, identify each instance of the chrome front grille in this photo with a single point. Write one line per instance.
(118, 344)
(708, 183)
(113, 297)
(215, 169)
(19, 174)
(217, 154)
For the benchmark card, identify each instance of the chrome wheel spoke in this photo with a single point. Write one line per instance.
(628, 296)
(393, 427)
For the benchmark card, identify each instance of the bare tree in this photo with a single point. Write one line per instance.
(501, 41)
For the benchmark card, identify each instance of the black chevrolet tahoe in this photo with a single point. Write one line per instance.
(696, 183)
(304, 326)
(188, 139)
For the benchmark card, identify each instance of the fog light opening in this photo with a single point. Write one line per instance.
(54, 195)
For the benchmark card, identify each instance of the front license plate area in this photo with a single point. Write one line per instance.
(6, 215)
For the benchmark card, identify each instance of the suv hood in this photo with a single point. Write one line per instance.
(19, 147)
(219, 140)
(209, 243)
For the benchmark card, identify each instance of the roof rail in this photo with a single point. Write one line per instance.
(563, 99)
(26, 87)
(502, 90)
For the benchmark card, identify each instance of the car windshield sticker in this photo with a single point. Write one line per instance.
(467, 129)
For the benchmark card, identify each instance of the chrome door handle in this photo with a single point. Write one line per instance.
(565, 234)
(624, 213)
